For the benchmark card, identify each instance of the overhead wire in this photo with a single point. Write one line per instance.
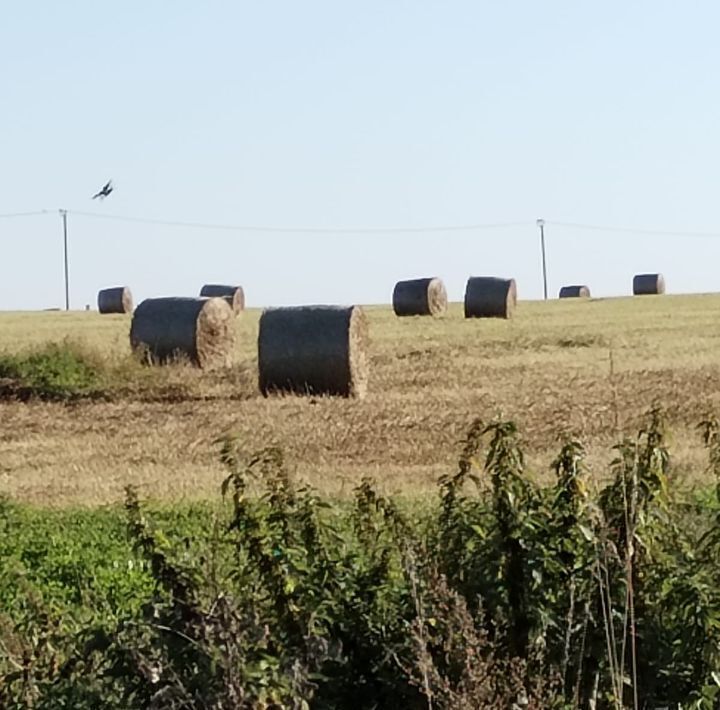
(9, 215)
(301, 230)
(277, 229)
(634, 230)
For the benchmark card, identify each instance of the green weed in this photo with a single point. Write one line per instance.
(57, 371)
(500, 594)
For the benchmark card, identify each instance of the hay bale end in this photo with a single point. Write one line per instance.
(574, 292)
(313, 350)
(648, 284)
(115, 300)
(166, 329)
(490, 297)
(420, 297)
(234, 295)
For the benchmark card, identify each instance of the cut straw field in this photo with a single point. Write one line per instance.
(589, 368)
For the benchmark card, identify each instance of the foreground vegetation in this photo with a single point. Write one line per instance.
(497, 593)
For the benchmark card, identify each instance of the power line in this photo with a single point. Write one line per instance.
(302, 230)
(634, 230)
(23, 214)
(395, 230)
(372, 230)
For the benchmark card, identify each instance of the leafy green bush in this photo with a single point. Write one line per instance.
(502, 595)
(57, 371)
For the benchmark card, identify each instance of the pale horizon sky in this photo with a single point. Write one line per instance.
(356, 115)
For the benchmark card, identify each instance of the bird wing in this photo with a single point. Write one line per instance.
(107, 188)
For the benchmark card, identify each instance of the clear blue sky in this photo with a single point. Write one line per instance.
(366, 114)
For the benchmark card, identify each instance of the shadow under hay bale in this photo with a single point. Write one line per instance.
(234, 295)
(200, 329)
(574, 292)
(420, 297)
(490, 297)
(648, 284)
(115, 300)
(313, 350)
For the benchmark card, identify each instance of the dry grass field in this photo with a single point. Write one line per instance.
(589, 368)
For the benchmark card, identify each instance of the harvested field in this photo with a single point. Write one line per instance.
(590, 368)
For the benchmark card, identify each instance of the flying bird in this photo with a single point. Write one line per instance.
(107, 188)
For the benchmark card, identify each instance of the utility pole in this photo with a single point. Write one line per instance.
(63, 214)
(541, 223)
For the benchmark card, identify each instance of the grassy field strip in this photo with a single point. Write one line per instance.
(590, 368)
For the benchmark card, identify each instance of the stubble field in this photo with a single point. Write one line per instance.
(587, 368)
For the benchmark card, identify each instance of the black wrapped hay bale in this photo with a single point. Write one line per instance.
(574, 292)
(115, 300)
(420, 297)
(164, 329)
(234, 295)
(490, 297)
(313, 350)
(648, 284)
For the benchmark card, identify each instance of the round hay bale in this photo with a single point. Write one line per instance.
(234, 295)
(313, 350)
(115, 300)
(420, 297)
(648, 284)
(490, 297)
(200, 329)
(574, 292)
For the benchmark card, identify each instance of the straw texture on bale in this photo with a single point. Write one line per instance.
(574, 292)
(648, 284)
(115, 300)
(199, 329)
(420, 297)
(313, 350)
(234, 295)
(490, 297)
